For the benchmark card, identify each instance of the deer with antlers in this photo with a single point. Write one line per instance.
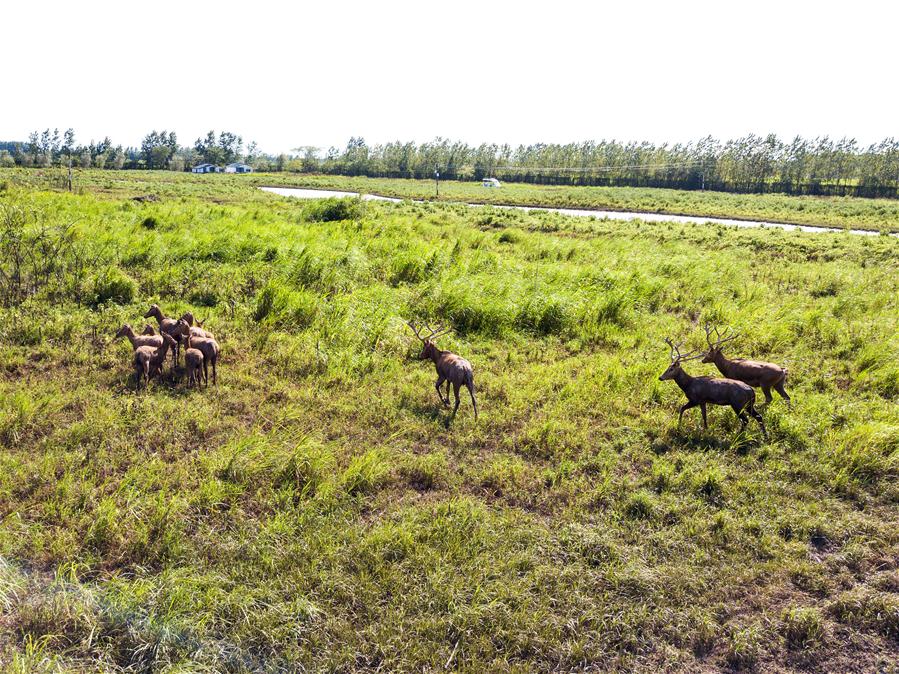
(757, 374)
(451, 368)
(702, 391)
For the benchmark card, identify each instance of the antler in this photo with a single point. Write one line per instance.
(432, 333)
(415, 330)
(677, 356)
(719, 338)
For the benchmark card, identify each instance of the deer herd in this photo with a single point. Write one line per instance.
(150, 350)
(736, 389)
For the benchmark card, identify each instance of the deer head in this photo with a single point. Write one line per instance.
(428, 347)
(153, 311)
(715, 345)
(182, 328)
(123, 331)
(676, 359)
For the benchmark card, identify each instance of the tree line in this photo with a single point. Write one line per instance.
(159, 150)
(749, 164)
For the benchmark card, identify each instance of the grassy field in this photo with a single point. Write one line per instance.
(314, 511)
(881, 215)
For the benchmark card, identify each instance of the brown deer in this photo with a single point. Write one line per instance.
(451, 368)
(167, 326)
(757, 374)
(710, 390)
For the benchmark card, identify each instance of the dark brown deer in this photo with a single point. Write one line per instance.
(451, 368)
(704, 391)
(757, 374)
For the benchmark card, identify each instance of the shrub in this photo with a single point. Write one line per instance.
(279, 307)
(543, 317)
(149, 222)
(113, 286)
(334, 209)
(510, 235)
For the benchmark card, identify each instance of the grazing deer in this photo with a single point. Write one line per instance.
(756, 373)
(712, 391)
(451, 368)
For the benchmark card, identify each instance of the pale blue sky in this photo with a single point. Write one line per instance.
(317, 73)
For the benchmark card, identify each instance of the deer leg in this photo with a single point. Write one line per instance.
(215, 374)
(758, 417)
(455, 393)
(768, 397)
(447, 393)
(205, 374)
(474, 403)
(440, 380)
(684, 408)
(779, 387)
(705, 423)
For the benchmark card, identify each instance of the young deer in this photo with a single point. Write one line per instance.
(451, 368)
(757, 374)
(196, 331)
(193, 362)
(144, 339)
(166, 326)
(207, 346)
(148, 360)
(709, 390)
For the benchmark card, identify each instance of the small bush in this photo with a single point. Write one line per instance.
(149, 222)
(113, 286)
(510, 235)
(335, 210)
(282, 308)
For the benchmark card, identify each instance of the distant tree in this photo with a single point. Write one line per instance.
(86, 159)
(251, 152)
(118, 158)
(68, 143)
(157, 148)
(176, 163)
(6, 159)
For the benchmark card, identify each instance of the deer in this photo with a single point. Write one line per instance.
(166, 326)
(151, 340)
(702, 391)
(148, 360)
(451, 368)
(757, 374)
(208, 348)
(196, 330)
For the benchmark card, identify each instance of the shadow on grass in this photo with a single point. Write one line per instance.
(739, 442)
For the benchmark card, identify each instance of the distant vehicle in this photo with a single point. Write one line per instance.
(206, 168)
(238, 167)
(491, 182)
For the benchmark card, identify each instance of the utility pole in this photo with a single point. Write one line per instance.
(436, 183)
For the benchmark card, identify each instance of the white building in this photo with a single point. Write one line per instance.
(206, 168)
(491, 182)
(238, 167)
